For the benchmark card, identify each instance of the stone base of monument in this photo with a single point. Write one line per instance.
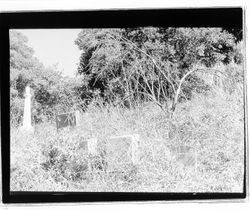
(27, 129)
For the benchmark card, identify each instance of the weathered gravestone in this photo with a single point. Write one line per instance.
(122, 151)
(184, 155)
(65, 119)
(88, 146)
(78, 117)
(89, 149)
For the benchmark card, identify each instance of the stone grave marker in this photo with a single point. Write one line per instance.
(65, 119)
(78, 117)
(122, 151)
(92, 146)
(83, 146)
(88, 146)
(184, 155)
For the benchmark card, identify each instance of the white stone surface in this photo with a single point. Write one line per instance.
(184, 155)
(78, 117)
(27, 126)
(92, 146)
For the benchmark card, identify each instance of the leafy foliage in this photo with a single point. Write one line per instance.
(52, 92)
(133, 66)
(149, 63)
(213, 125)
(123, 67)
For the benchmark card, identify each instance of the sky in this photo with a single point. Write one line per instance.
(55, 46)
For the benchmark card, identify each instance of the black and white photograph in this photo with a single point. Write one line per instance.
(145, 109)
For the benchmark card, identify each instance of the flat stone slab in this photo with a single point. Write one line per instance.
(121, 151)
(183, 155)
(187, 160)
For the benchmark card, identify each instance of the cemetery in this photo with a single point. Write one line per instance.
(120, 150)
(142, 124)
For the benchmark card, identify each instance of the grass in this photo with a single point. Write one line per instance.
(214, 125)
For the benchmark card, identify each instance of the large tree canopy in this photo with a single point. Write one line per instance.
(150, 62)
(122, 66)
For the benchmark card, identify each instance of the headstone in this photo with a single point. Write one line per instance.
(83, 146)
(92, 145)
(122, 151)
(88, 146)
(78, 117)
(27, 111)
(184, 155)
(65, 119)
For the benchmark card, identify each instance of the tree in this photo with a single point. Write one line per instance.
(236, 32)
(157, 64)
(52, 92)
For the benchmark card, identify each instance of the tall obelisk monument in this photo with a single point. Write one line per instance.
(27, 111)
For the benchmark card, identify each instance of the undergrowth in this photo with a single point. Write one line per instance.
(213, 125)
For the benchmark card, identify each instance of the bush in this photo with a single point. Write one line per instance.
(212, 124)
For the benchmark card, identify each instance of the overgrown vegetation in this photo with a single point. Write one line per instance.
(174, 86)
(155, 64)
(52, 92)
